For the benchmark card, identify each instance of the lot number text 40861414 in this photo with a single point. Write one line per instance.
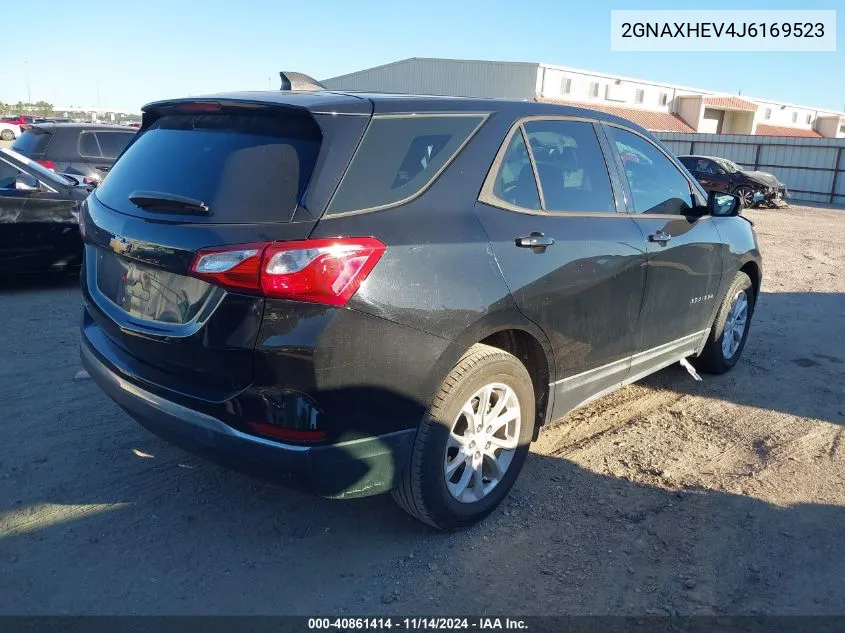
(416, 624)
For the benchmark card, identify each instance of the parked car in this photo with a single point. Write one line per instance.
(725, 176)
(22, 120)
(9, 131)
(371, 293)
(83, 151)
(39, 215)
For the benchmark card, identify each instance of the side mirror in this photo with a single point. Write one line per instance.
(721, 171)
(723, 205)
(26, 182)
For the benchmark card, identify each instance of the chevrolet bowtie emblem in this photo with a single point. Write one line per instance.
(120, 245)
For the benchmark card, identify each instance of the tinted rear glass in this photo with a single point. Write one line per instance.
(399, 156)
(245, 167)
(112, 143)
(32, 142)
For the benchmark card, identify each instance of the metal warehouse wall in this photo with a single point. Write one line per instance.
(460, 78)
(812, 169)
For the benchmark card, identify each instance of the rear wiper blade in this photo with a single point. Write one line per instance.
(152, 200)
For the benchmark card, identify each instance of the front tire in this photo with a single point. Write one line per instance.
(746, 197)
(7, 135)
(730, 328)
(473, 442)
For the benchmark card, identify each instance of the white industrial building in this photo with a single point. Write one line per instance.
(656, 106)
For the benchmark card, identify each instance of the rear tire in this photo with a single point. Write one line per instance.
(445, 441)
(720, 354)
(7, 135)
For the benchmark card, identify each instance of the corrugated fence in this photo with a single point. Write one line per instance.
(812, 169)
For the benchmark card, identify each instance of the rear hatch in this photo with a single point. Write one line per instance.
(33, 144)
(200, 176)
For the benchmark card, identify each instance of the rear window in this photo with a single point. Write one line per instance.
(399, 157)
(245, 167)
(33, 142)
(103, 144)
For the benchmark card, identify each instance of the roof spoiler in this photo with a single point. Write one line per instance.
(299, 81)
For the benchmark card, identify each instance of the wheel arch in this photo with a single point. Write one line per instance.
(512, 332)
(752, 269)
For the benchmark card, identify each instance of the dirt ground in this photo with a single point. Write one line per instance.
(668, 497)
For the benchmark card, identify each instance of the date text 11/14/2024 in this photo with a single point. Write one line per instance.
(415, 624)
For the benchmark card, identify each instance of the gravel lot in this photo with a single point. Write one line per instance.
(670, 496)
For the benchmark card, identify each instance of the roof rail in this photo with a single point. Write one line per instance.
(299, 81)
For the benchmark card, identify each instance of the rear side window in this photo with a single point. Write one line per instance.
(32, 142)
(88, 145)
(112, 143)
(245, 167)
(515, 183)
(400, 156)
(570, 165)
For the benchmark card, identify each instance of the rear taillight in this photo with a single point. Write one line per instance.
(47, 163)
(327, 271)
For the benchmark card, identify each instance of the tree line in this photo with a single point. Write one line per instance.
(39, 107)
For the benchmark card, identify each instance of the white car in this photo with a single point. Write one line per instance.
(9, 131)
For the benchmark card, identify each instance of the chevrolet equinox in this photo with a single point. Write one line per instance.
(363, 293)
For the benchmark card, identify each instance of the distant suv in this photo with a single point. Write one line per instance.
(83, 151)
(725, 176)
(371, 293)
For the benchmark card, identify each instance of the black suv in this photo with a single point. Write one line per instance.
(371, 293)
(83, 151)
(724, 176)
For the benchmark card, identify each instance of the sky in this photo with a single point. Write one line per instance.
(132, 53)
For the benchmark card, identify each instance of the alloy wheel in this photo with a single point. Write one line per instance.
(482, 442)
(735, 324)
(746, 197)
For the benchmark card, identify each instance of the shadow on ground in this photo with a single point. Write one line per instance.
(793, 362)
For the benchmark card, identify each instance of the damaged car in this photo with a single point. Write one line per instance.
(39, 217)
(724, 176)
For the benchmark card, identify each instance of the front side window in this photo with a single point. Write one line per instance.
(707, 166)
(8, 175)
(400, 156)
(657, 185)
(570, 165)
(515, 183)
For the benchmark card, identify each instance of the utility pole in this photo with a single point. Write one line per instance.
(28, 92)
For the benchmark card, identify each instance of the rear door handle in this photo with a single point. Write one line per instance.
(535, 240)
(660, 236)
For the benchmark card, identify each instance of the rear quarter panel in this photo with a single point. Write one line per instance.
(438, 276)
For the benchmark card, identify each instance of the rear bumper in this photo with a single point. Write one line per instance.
(354, 468)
